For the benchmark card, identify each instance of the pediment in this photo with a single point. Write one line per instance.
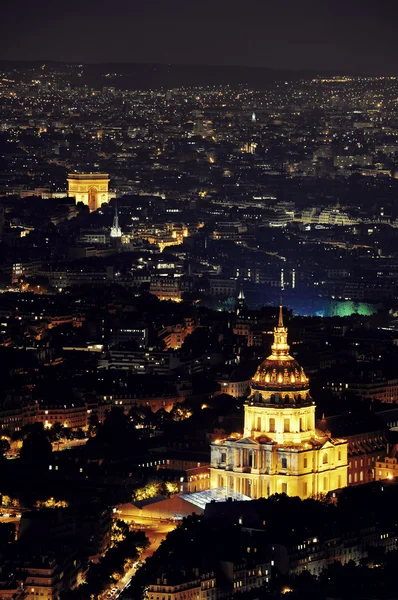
(247, 441)
(327, 444)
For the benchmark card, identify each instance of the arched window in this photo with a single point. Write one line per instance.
(325, 459)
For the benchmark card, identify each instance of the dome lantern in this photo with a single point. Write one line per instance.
(280, 372)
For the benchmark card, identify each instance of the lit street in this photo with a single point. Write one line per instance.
(68, 444)
(156, 531)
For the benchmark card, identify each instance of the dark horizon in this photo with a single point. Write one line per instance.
(311, 71)
(129, 75)
(301, 37)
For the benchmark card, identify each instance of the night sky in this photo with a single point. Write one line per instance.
(350, 35)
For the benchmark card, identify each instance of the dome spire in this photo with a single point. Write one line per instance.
(280, 348)
(280, 322)
(280, 371)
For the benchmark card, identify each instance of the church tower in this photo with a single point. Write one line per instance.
(116, 232)
(240, 304)
(280, 451)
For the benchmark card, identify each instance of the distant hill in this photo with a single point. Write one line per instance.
(145, 75)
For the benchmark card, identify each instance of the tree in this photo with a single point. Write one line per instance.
(4, 446)
(101, 574)
(115, 436)
(93, 424)
(36, 448)
(7, 534)
(180, 412)
(56, 432)
(120, 530)
(198, 342)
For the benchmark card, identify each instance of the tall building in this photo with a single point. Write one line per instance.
(89, 188)
(280, 451)
(116, 231)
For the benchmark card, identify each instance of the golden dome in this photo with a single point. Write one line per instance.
(280, 372)
(274, 375)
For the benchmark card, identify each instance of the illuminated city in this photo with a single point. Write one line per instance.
(198, 304)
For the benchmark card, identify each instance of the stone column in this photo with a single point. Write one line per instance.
(236, 457)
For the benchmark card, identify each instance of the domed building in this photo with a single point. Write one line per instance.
(280, 451)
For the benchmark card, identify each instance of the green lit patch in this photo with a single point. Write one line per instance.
(348, 307)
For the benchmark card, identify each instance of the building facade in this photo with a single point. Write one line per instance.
(281, 451)
(316, 554)
(367, 442)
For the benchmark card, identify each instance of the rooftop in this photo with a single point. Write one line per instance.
(221, 494)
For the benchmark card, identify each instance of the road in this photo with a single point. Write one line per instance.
(11, 517)
(56, 447)
(156, 531)
(68, 444)
(8, 518)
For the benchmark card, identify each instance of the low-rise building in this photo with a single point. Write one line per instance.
(222, 287)
(71, 415)
(166, 288)
(173, 336)
(316, 554)
(367, 441)
(387, 467)
(184, 586)
(141, 362)
(378, 388)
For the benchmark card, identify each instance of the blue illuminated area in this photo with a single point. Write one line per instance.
(308, 304)
(221, 494)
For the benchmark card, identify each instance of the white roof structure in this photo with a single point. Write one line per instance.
(221, 494)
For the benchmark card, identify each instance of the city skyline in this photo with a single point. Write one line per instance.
(198, 303)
